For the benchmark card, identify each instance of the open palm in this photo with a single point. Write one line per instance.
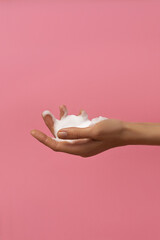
(87, 142)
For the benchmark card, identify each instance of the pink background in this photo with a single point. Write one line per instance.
(101, 56)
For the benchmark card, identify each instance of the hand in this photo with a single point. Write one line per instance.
(89, 141)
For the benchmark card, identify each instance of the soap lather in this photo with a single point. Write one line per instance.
(80, 121)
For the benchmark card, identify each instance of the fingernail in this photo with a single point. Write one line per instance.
(62, 134)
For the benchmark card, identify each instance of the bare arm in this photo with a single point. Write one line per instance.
(141, 133)
(100, 137)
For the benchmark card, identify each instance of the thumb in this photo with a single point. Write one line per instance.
(75, 133)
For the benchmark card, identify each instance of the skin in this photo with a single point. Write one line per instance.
(100, 137)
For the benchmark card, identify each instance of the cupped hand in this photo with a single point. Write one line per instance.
(88, 142)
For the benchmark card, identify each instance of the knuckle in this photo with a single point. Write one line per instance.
(56, 147)
(95, 133)
(73, 134)
(46, 140)
(90, 132)
(42, 139)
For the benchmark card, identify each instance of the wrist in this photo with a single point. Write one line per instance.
(134, 133)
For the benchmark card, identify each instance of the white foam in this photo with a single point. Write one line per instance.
(47, 112)
(80, 121)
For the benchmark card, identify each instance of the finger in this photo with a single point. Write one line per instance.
(75, 133)
(80, 112)
(63, 111)
(83, 114)
(43, 138)
(77, 149)
(81, 141)
(49, 120)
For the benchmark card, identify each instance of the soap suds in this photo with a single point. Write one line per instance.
(80, 121)
(47, 112)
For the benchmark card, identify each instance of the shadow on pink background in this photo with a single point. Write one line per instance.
(101, 56)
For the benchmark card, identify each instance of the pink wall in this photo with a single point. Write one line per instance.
(104, 57)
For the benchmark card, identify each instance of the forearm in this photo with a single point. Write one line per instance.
(141, 133)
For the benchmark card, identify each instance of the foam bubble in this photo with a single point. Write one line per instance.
(80, 121)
